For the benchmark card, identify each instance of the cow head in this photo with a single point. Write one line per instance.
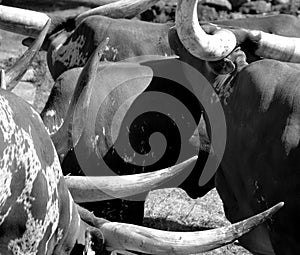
(193, 44)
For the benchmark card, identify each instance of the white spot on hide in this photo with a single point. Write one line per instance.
(71, 54)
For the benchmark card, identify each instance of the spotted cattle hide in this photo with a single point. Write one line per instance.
(37, 213)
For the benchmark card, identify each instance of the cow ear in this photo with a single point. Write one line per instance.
(112, 94)
(59, 26)
(29, 40)
(224, 66)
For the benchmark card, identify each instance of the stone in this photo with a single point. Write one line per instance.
(280, 2)
(207, 13)
(172, 209)
(29, 75)
(256, 7)
(236, 4)
(25, 90)
(218, 4)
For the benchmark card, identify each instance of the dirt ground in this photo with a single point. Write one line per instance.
(35, 88)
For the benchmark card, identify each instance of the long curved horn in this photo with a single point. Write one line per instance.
(15, 73)
(275, 46)
(92, 189)
(195, 40)
(119, 9)
(62, 138)
(223, 41)
(121, 236)
(21, 21)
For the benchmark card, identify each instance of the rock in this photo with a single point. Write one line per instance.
(29, 75)
(236, 4)
(25, 90)
(218, 4)
(281, 8)
(161, 12)
(256, 7)
(206, 13)
(237, 15)
(172, 209)
(280, 2)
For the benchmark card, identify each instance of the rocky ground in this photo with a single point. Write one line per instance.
(169, 209)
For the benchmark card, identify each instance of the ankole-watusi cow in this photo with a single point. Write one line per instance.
(261, 158)
(37, 211)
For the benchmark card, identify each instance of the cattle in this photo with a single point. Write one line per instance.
(261, 154)
(261, 158)
(37, 211)
(72, 46)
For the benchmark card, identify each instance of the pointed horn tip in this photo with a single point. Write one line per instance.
(271, 211)
(47, 24)
(184, 163)
(192, 159)
(276, 207)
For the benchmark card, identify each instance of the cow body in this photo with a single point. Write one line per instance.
(127, 39)
(37, 212)
(262, 156)
(261, 159)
